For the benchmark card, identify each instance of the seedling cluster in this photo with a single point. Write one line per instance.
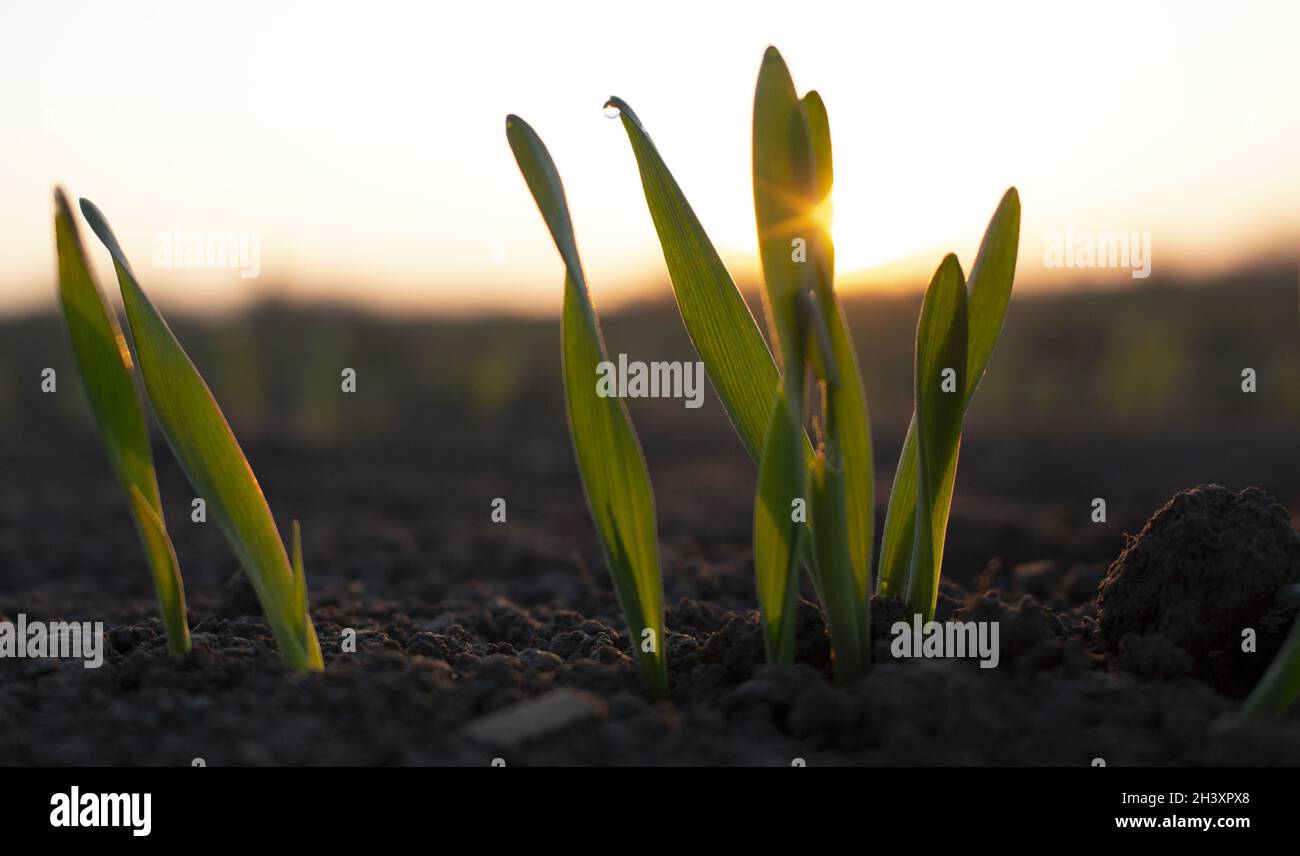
(815, 503)
(195, 429)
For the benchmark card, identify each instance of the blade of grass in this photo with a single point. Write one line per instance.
(940, 348)
(610, 462)
(108, 376)
(778, 536)
(211, 458)
(839, 596)
(989, 293)
(990, 286)
(784, 187)
(792, 181)
(900, 522)
(716, 316)
(785, 196)
(167, 573)
(848, 424)
(299, 576)
(1278, 689)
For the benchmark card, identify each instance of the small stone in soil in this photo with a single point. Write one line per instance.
(549, 713)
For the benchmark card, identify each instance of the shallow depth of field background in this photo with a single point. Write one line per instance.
(1128, 396)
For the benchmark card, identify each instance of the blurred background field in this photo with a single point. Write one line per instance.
(1125, 395)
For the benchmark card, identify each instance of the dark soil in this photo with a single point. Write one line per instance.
(439, 652)
(458, 620)
(1205, 570)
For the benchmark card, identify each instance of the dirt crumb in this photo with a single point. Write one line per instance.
(1206, 566)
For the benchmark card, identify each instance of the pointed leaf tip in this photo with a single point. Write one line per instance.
(99, 225)
(61, 202)
(624, 111)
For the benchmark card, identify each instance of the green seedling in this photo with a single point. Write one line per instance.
(957, 332)
(793, 173)
(108, 376)
(610, 462)
(1277, 691)
(988, 291)
(208, 453)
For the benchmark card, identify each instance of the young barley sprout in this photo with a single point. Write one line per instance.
(206, 448)
(613, 469)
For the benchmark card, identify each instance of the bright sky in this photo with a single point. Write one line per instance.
(363, 144)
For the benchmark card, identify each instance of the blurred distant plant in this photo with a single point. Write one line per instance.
(108, 376)
(815, 504)
(195, 429)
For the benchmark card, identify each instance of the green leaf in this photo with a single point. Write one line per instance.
(716, 316)
(1278, 690)
(785, 194)
(785, 199)
(900, 522)
(793, 176)
(210, 456)
(989, 291)
(108, 376)
(990, 286)
(847, 611)
(940, 404)
(299, 576)
(848, 447)
(614, 475)
(848, 424)
(167, 571)
(782, 480)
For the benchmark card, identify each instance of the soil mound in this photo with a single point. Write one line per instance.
(1207, 566)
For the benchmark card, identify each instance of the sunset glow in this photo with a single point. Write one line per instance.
(365, 151)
